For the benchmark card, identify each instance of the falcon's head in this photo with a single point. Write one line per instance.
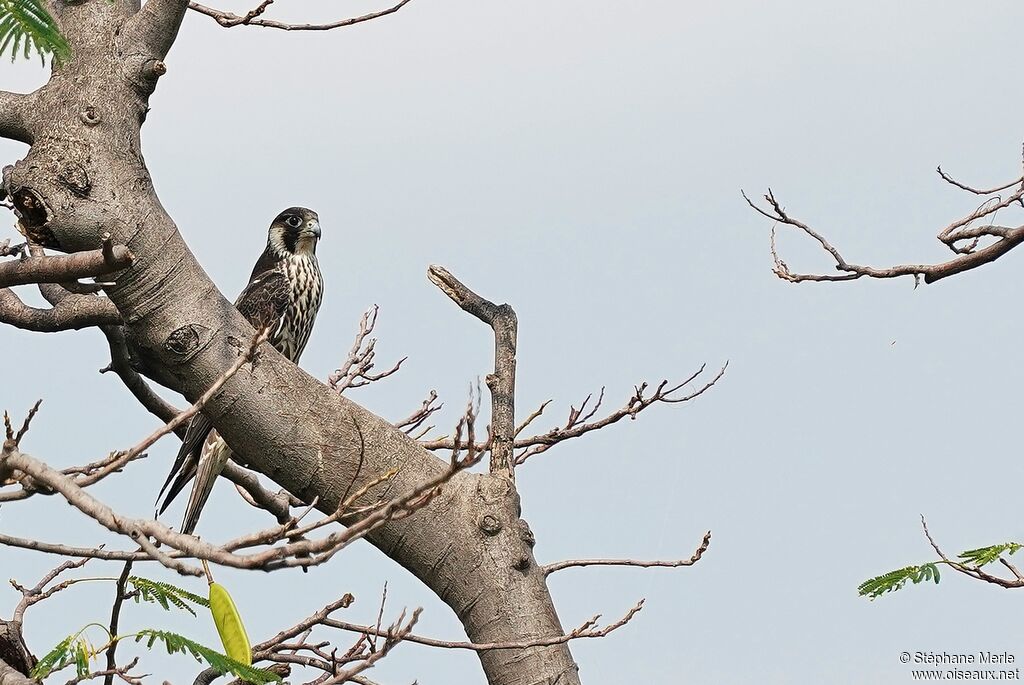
(295, 231)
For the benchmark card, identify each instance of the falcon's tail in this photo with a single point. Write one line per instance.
(185, 462)
(215, 455)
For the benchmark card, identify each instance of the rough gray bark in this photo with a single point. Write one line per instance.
(84, 175)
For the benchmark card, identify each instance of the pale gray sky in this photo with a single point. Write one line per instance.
(583, 161)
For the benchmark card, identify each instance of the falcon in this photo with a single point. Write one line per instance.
(283, 295)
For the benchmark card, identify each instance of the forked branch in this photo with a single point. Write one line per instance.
(357, 369)
(502, 383)
(975, 570)
(962, 236)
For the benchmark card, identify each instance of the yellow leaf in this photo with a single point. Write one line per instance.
(229, 625)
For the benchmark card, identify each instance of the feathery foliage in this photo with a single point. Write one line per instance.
(166, 594)
(78, 651)
(26, 27)
(970, 559)
(178, 643)
(74, 649)
(57, 655)
(986, 555)
(895, 580)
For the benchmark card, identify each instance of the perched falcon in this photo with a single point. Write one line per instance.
(283, 294)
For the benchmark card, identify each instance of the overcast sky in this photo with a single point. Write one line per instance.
(583, 161)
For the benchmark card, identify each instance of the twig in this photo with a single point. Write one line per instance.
(355, 372)
(115, 615)
(39, 592)
(253, 18)
(586, 630)
(571, 563)
(579, 423)
(416, 419)
(991, 191)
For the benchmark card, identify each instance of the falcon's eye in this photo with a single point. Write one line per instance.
(293, 221)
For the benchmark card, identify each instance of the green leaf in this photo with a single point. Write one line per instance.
(26, 25)
(180, 644)
(165, 594)
(895, 580)
(57, 655)
(986, 555)
(81, 659)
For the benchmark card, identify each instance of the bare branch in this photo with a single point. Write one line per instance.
(959, 236)
(108, 674)
(69, 551)
(572, 563)
(299, 553)
(395, 634)
(501, 383)
(991, 191)
(254, 18)
(64, 268)
(416, 419)
(355, 372)
(115, 615)
(72, 313)
(588, 629)
(278, 504)
(579, 422)
(40, 592)
(16, 437)
(544, 405)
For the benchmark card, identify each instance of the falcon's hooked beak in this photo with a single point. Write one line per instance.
(312, 228)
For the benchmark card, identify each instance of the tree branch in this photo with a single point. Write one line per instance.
(579, 422)
(501, 383)
(115, 615)
(959, 236)
(975, 572)
(12, 117)
(64, 268)
(254, 18)
(301, 553)
(73, 313)
(155, 27)
(10, 676)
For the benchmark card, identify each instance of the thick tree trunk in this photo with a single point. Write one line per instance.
(85, 175)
